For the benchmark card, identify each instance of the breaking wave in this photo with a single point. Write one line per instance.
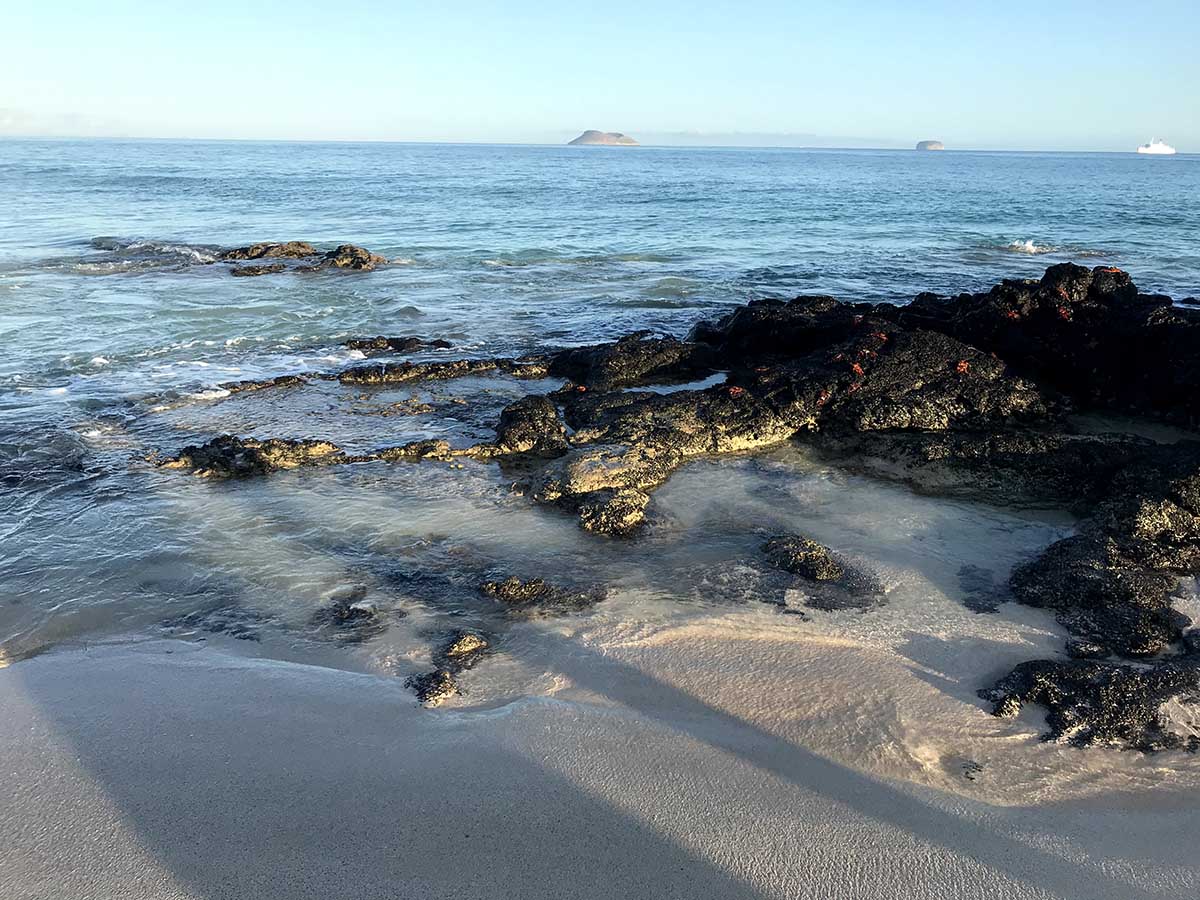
(116, 255)
(1030, 247)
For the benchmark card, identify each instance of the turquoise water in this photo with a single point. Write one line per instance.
(115, 324)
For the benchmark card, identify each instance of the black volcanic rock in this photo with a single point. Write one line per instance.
(1090, 702)
(345, 256)
(1088, 333)
(287, 250)
(252, 271)
(383, 344)
(229, 456)
(635, 359)
(540, 598)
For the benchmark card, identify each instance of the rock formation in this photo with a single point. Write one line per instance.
(608, 138)
(966, 396)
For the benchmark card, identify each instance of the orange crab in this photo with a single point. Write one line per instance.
(736, 391)
(857, 369)
(963, 367)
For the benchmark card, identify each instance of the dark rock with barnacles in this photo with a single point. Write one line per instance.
(229, 456)
(433, 688)
(833, 583)
(1089, 702)
(345, 256)
(251, 271)
(540, 598)
(381, 344)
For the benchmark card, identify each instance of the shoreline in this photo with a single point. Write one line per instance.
(229, 777)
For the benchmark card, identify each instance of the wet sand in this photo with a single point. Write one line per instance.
(169, 770)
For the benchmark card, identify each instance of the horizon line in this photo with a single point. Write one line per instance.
(484, 143)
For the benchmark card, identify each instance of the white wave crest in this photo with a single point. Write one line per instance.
(212, 394)
(1030, 247)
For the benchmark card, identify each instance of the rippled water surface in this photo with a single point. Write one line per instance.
(116, 325)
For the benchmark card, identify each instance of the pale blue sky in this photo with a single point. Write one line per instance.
(1052, 75)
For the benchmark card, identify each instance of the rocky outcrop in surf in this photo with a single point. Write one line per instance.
(966, 396)
(344, 256)
(264, 258)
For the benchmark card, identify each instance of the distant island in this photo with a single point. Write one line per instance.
(612, 138)
(931, 145)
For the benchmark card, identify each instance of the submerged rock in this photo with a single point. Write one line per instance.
(433, 688)
(833, 583)
(803, 557)
(349, 617)
(540, 598)
(241, 387)
(345, 256)
(414, 450)
(462, 650)
(1091, 702)
(231, 620)
(409, 407)
(251, 271)
(395, 344)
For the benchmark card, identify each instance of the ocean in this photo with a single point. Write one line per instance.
(117, 327)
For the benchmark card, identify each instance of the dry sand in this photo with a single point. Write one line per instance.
(659, 768)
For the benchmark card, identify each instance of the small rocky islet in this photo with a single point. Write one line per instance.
(968, 396)
(595, 138)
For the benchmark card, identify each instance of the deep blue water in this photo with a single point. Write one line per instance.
(111, 311)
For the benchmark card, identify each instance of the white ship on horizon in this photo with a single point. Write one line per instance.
(1157, 147)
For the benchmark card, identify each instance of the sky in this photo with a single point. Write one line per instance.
(1068, 75)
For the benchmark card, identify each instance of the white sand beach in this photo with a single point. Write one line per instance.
(169, 770)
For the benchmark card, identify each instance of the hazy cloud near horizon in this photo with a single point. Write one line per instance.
(1072, 75)
(24, 123)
